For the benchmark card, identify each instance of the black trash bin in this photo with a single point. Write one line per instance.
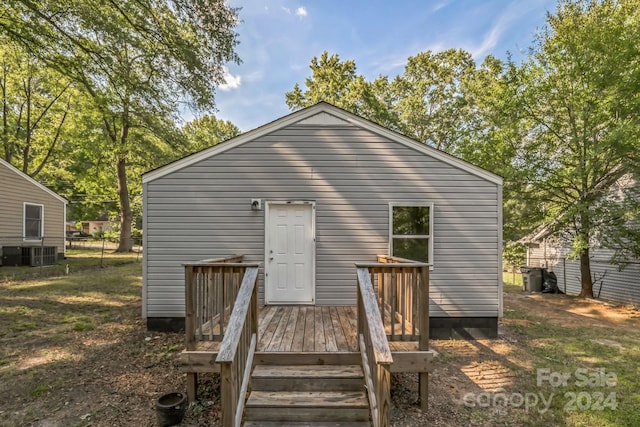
(531, 278)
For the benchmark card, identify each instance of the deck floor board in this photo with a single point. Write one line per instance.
(307, 329)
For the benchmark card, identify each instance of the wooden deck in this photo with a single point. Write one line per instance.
(227, 332)
(312, 329)
(307, 329)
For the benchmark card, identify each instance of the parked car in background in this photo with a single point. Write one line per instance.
(77, 235)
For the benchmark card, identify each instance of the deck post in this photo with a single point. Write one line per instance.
(192, 386)
(189, 326)
(229, 394)
(360, 314)
(423, 344)
(189, 319)
(383, 393)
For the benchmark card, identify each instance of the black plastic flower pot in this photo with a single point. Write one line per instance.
(170, 408)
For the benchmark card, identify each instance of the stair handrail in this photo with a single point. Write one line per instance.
(238, 348)
(374, 349)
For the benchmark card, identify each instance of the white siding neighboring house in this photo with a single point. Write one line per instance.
(31, 216)
(323, 189)
(92, 226)
(609, 281)
(551, 248)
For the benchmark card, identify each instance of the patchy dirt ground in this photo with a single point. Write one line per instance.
(56, 372)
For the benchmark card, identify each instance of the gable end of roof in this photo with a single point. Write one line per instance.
(26, 177)
(321, 113)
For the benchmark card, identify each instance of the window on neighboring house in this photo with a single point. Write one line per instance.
(411, 231)
(33, 221)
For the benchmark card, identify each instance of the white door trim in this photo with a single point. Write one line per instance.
(267, 245)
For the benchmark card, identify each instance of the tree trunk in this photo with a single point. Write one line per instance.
(27, 143)
(586, 290)
(5, 115)
(126, 217)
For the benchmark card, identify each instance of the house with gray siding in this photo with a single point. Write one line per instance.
(549, 246)
(32, 220)
(610, 281)
(310, 195)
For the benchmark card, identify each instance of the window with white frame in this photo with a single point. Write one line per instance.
(411, 231)
(33, 221)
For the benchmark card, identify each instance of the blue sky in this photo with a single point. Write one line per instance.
(278, 38)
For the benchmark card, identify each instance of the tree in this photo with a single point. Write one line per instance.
(206, 131)
(574, 90)
(496, 131)
(338, 83)
(36, 105)
(136, 59)
(427, 102)
(431, 102)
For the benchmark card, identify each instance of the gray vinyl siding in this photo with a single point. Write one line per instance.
(609, 283)
(203, 211)
(15, 190)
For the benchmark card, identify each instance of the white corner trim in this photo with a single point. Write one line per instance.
(500, 243)
(64, 229)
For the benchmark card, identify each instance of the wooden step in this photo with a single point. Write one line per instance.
(307, 378)
(310, 406)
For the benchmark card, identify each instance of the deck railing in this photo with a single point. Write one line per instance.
(374, 348)
(211, 287)
(402, 293)
(402, 288)
(237, 349)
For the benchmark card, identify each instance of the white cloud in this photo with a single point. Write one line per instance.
(230, 81)
(394, 63)
(254, 76)
(490, 39)
(287, 10)
(506, 21)
(439, 6)
(301, 12)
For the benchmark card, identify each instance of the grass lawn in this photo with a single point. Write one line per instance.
(74, 350)
(584, 357)
(77, 259)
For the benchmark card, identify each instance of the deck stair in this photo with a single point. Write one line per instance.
(307, 395)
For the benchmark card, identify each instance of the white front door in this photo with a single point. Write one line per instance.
(290, 253)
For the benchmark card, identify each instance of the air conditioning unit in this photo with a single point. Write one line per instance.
(39, 255)
(28, 255)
